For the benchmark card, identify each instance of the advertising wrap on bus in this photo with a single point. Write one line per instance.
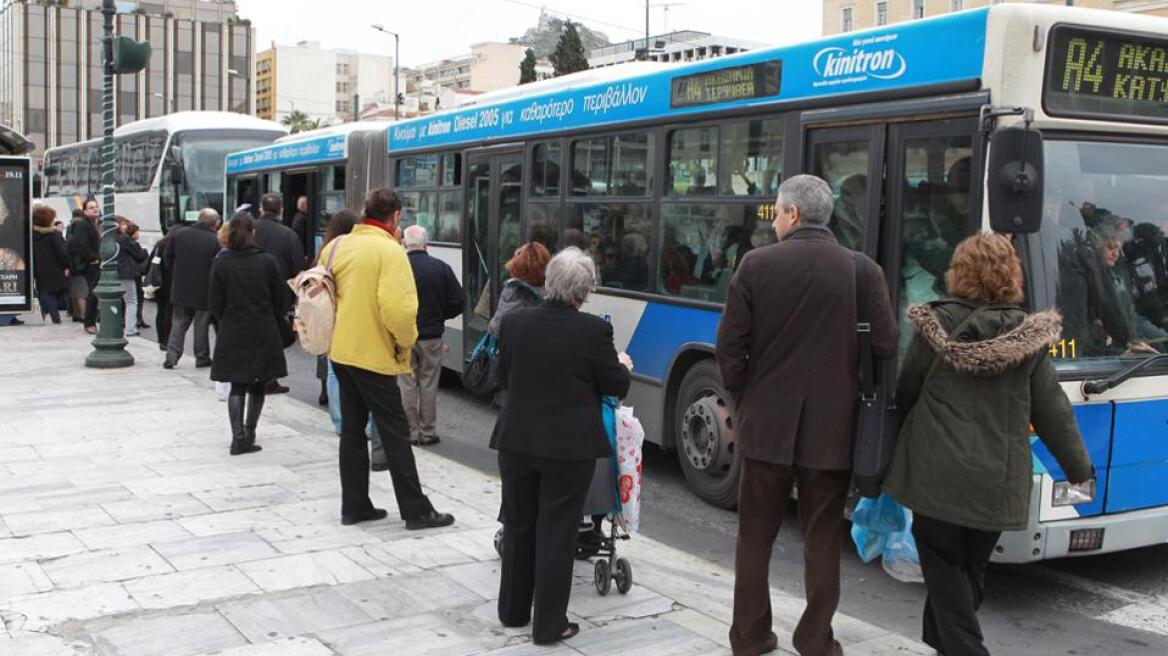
(311, 151)
(948, 50)
(15, 246)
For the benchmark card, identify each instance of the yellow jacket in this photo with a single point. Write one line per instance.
(377, 302)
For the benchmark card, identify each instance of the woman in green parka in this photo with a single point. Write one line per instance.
(977, 376)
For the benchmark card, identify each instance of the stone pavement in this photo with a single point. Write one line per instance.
(126, 529)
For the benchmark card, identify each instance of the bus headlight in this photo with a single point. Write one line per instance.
(1068, 494)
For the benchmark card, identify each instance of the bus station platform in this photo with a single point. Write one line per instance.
(126, 529)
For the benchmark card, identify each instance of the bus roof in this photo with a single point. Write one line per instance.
(944, 50)
(182, 121)
(330, 144)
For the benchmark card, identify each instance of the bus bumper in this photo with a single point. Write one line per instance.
(1087, 536)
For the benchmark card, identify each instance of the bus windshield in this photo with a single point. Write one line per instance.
(1103, 249)
(203, 156)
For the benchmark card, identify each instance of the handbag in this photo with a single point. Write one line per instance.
(287, 335)
(480, 375)
(877, 419)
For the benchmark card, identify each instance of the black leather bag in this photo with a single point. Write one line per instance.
(480, 374)
(877, 418)
(287, 335)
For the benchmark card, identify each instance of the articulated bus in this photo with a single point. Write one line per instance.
(168, 168)
(667, 178)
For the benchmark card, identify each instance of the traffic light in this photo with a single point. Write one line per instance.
(129, 55)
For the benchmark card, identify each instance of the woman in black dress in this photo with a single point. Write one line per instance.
(247, 298)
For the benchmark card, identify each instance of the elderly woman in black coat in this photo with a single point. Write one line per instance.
(247, 297)
(556, 363)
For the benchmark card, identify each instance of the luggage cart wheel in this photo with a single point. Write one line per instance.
(602, 577)
(499, 542)
(623, 576)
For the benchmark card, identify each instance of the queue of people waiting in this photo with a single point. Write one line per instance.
(787, 313)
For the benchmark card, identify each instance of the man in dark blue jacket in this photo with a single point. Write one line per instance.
(440, 298)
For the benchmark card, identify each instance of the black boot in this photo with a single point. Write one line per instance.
(238, 432)
(255, 405)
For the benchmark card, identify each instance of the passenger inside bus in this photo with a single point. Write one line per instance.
(851, 208)
(1110, 236)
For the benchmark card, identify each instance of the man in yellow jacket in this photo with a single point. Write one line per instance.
(377, 307)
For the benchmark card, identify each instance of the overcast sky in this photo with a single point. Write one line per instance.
(433, 29)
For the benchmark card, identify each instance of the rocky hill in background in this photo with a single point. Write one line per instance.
(544, 37)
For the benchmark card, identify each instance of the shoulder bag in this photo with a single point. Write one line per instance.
(877, 419)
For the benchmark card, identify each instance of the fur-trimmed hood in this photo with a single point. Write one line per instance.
(994, 355)
(43, 230)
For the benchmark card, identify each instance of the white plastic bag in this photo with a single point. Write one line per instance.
(630, 437)
(223, 390)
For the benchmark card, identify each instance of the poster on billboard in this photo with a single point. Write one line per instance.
(15, 235)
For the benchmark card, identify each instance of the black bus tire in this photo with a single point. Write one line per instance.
(704, 413)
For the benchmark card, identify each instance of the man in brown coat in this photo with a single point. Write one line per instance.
(788, 353)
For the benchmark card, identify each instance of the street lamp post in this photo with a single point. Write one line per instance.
(396, 66)
(109, 347)
(168, 101)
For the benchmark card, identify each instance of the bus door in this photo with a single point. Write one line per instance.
(293, 185)
(494, 193)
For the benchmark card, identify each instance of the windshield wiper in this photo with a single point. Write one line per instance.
(1092, 387)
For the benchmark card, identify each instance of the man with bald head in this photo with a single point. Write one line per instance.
(440, 298)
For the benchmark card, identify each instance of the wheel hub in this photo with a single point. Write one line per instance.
(707, 434)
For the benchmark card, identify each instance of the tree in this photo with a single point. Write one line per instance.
(569, 55)
(527, 67)
(298, 121)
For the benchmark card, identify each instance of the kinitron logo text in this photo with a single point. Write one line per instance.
(863, 61)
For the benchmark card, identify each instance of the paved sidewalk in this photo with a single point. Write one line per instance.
(126, 529)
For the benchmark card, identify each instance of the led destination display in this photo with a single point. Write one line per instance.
(1107, 75)
(760, 80)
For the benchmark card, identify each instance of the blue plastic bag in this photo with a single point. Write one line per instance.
(334, 402)
(882, 527)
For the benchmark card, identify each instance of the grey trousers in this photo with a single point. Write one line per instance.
(420, 392)
(182, 319)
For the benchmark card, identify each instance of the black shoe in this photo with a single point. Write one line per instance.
(143, 324)
(432, 519)
(168, 364)
(78, 320)
(202, 363)
(367, 516)
(379, 466)
(426, 440)
(240, 447)
(322, 399)
(569, 632)
(15, 322)
(162, 347)
(275, 387)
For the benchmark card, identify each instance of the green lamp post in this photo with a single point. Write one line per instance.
(120, 55)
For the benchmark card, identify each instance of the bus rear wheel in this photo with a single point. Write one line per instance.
(706, 439)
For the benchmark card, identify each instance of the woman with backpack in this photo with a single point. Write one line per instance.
(248, 299)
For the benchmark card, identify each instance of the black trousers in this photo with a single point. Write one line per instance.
(543, 500)
(92, 276)
(364, 392)
(162, 317)
(953, 560)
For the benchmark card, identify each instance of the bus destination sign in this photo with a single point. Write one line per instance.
(760, 80)
(1107, 75)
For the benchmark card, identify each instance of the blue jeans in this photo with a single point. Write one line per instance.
(52, 303)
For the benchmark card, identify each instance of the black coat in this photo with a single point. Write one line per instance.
(188, 255)
(245, 296)
(131, 258)
(556, 363)
(50, 259)
(302, 226)
(84, 246)
(439, 294)
(279, 240)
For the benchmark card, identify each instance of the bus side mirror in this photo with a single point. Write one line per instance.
(1014, 184)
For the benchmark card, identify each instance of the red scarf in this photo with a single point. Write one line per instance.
(379, 224)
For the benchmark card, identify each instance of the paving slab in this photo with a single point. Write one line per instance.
(130, 531)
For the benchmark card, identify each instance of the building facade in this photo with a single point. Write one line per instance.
(51, 69)
(681, 46)
(841, 16)
(489, 65)
(326, 85)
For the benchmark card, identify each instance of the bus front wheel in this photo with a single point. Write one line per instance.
(705, 426)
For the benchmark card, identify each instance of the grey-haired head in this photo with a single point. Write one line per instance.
(570, 276)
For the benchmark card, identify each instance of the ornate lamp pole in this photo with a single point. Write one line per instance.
(109, 348)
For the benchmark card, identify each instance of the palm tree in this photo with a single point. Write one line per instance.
(298, 121)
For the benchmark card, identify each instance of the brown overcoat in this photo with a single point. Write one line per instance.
(788, 352)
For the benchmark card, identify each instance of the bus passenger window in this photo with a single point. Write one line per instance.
(936, 187)
(693, 162)
(844, 165)
(616, 236)
(418, 209)
(545, 170)
(543, 225)
(451, 170)
(753, 152)
(448, 227)
(421, 171)
(611, 166)
(701, 246)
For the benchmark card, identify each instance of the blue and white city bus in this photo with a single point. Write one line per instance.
(168, 168)
(667, 177)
